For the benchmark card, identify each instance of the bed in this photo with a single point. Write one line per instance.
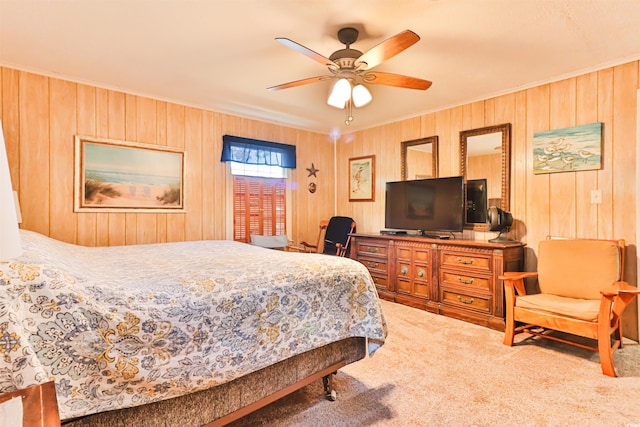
(190, 332)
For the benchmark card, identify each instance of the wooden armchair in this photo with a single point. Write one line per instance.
(336, 240)
(308, 247)
(582, 292)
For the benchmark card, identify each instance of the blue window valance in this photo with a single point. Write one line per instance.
(257, 152)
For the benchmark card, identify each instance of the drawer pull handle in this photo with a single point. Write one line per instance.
(372, 264)
(404, 270)
(465, 261)
(466, 282)
(421, 273)
(465, 301)
(375, 280)
(373, 250)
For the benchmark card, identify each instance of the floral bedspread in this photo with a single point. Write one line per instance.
(123, 326)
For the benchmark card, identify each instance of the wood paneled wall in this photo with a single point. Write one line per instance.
(556, 204)
(547, 204)
(40, 116)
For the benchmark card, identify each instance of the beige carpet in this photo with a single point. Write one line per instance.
(438, 371)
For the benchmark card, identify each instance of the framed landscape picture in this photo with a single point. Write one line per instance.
(572, 149)
(362, 178)
(120, 176)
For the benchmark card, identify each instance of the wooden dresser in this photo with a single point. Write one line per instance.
(456, 278)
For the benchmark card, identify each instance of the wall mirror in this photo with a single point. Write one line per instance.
(419, 158)
(484, 163)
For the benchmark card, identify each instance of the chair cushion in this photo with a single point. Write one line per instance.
(577, 268)
(583, 309)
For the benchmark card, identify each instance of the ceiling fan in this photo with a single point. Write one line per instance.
(352, 68)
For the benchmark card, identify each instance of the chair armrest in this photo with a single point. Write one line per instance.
(619, 288)
(294, 248)
(614, 300)
(304, 247)
(308, 246)
(517, 275)
(514, 281)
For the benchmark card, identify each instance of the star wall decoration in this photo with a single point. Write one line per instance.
(313, 171)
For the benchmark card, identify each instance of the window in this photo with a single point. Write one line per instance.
(259, 207)
(264, 171)
(259, 170)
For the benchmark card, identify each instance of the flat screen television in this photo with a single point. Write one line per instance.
(433, 204)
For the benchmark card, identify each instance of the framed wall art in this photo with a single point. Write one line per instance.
(362, 178)
(120, 176)
(570, 149)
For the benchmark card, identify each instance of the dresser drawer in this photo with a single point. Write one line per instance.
(373, 248)
(468, 261)
(470, 280)
(459, 299)
(380, 281)
(375, 265)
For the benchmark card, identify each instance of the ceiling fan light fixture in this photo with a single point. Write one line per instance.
(361, 96)
(340, 94)
(335, 102)
(350, 66)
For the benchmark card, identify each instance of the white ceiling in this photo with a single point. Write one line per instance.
(221, 54)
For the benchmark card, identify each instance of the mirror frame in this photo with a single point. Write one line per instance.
(505, 129)
(433, 140)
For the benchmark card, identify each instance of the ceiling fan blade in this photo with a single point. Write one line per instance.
(387, 49)
(396, 80)
(299, 82)
(306, 51)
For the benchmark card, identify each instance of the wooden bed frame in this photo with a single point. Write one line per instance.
(39, 405)
(228, 402)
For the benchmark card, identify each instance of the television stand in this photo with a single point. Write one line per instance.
(456, 277)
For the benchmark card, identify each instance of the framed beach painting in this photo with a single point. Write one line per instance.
(576, 148)
(120, 176)
(362, 178)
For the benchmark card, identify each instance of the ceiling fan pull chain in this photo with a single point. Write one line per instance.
(349, 112)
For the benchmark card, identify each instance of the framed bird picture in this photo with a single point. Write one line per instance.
(570, 149)
(362, 178)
